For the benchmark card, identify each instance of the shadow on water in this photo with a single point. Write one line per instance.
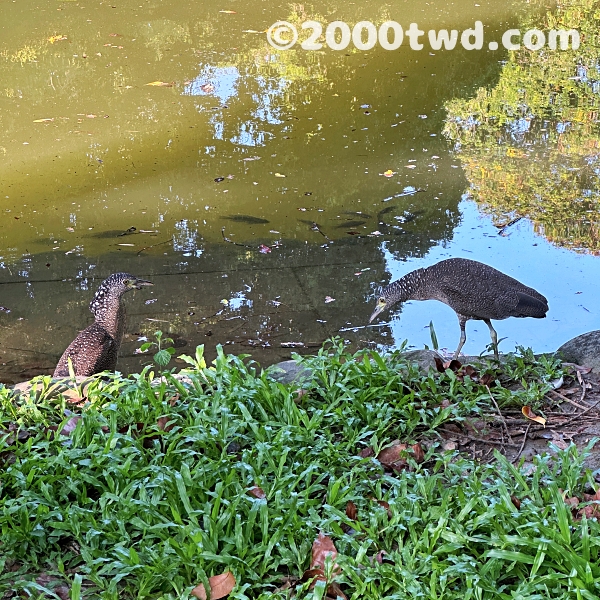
(269, 305)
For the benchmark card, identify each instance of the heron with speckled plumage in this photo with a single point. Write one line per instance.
(96, 348)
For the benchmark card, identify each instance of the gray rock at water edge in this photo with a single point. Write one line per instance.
(583, 350)
(289, 371)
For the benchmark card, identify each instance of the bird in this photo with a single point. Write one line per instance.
(472, 289)
(96, 348)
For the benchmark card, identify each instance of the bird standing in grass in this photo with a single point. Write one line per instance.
(472, 289)
(96, 348)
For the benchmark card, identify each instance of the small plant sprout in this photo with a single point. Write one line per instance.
(163, 355)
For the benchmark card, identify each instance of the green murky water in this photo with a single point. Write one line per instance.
(253, 186)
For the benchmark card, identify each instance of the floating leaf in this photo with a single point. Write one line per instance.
(160, 84)
(48, 120)
(529, 414)
(389, 173)
(279, 175)
(57, 38)
(220, 586)
(228, 12)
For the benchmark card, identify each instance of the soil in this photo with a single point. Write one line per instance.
(572, 414)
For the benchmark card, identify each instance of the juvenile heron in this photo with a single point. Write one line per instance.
(470, 288)
(96, 348)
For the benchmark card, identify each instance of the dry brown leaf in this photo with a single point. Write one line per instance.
(351, 510)
(220, 586)
(418, 452)
(393, 454)
(160, 84)
(257, 492)
(516, 502)
(366, 452)
(529, 414)
(322, 548)
(163, 423)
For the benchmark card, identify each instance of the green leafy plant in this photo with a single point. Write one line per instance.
(163, 355)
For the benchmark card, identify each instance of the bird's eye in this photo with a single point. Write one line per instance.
(126, 281)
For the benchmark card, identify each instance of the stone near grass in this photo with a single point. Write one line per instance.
(289, 371)
(583, 350)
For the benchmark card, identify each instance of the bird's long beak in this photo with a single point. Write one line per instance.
(381, 306)
(139, 283)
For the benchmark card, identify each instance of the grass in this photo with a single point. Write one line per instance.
(150, 492)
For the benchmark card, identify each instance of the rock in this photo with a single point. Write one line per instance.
(289, 371)
(583, 350)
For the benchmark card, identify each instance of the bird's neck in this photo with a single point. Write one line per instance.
(412, 286)
(111, 317)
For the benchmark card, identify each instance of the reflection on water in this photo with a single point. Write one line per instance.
(269, 194)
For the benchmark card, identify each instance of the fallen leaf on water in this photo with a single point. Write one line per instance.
(207, 88)
(279, 175)
(43, 120)
(389, 173)
(57, 38)
(252, 31)
(529, 414)
(410, 166)
(220, 586)
(257, 493)
(228, 12)
(160, 84)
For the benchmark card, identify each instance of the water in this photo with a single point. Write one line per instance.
(252, 188)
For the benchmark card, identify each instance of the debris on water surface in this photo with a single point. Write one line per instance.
(248, 219)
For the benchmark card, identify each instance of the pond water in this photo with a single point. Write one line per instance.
(269, 194)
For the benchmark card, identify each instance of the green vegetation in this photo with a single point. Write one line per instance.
(161, 484)
(529, 145)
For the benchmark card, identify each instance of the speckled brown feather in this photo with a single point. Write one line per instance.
(96, 348)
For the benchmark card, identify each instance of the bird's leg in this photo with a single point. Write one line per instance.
(494, 337)
(463, 336)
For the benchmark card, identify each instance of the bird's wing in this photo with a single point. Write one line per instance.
(92, 351)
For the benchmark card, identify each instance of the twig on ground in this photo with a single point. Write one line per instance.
(476, 439)
(516, 458)
(581, 407)
(487, 387)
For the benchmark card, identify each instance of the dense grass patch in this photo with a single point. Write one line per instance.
(150, 494)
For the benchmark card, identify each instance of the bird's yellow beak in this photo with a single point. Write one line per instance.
(381, 306)
(139, 283)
